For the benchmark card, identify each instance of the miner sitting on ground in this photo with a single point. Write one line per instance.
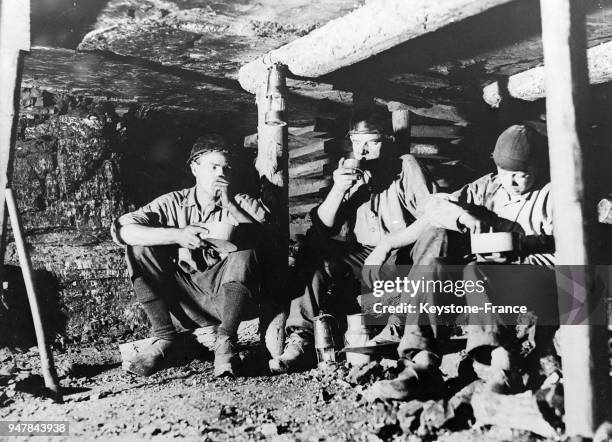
(515, 199)
(375, 196)
(176, 268)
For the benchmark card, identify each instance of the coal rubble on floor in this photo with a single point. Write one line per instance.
(467, 404)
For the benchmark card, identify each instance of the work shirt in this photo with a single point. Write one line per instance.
(180, 209)
(529, 213)
(371, 214)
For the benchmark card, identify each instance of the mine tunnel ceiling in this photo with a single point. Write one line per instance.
(184, 54)
(178, 55)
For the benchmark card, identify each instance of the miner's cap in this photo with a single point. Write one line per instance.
(517, 148)
(208, 143)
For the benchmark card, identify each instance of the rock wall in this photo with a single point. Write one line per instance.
(79, 163)
(66, 173)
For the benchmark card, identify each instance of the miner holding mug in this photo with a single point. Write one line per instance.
(183, 265)
(365, 224)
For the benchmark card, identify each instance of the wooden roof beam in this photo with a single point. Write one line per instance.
(529, 85)
(365, 32)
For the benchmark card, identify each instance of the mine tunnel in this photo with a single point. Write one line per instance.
(113, 94)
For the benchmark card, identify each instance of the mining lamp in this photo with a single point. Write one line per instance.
(275, 90)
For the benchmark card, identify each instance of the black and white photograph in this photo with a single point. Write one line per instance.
(306, 220)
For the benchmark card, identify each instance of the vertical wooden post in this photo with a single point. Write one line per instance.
(584, 352)
(273, 166)
(10, 79)
(400, 118)
(14, 38)
(272, 162)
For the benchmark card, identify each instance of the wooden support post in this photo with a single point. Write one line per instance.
(273, 166)
(583, 347)
(14, 38)
(529, 85)
(272, 161)
(362, 33)
(400, 119)
(9, 102)
(10, 79)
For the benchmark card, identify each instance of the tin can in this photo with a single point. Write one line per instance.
(324, 340)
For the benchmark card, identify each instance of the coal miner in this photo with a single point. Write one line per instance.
(367, 221)
(515, 199)
(182, 263)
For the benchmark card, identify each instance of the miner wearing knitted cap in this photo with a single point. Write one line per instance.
(365, 225)
(516, 198)
(183, 265)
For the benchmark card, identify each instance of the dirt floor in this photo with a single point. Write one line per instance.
(185, 401)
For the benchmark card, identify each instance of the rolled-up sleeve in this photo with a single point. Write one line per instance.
(415, 186)
(254, 207)
(158, 213)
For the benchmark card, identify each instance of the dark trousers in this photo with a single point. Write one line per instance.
(196, 299)
(531, 286)
(528, 285)
(329, 278)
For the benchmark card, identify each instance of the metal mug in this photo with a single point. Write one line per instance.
(352, 163)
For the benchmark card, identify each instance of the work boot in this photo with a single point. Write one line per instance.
(298, 353)
(145, 357)
(420, 379)
(226, 356)
(391, 334)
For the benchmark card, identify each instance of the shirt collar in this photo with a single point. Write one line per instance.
(190, 199)
(512, 198)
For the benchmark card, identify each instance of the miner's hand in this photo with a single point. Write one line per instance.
(474, 224)
(344, 178)
(223, 188)
(190, 237)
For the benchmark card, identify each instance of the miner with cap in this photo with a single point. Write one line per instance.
(180, 271)
(514, 199)
(365, 225)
